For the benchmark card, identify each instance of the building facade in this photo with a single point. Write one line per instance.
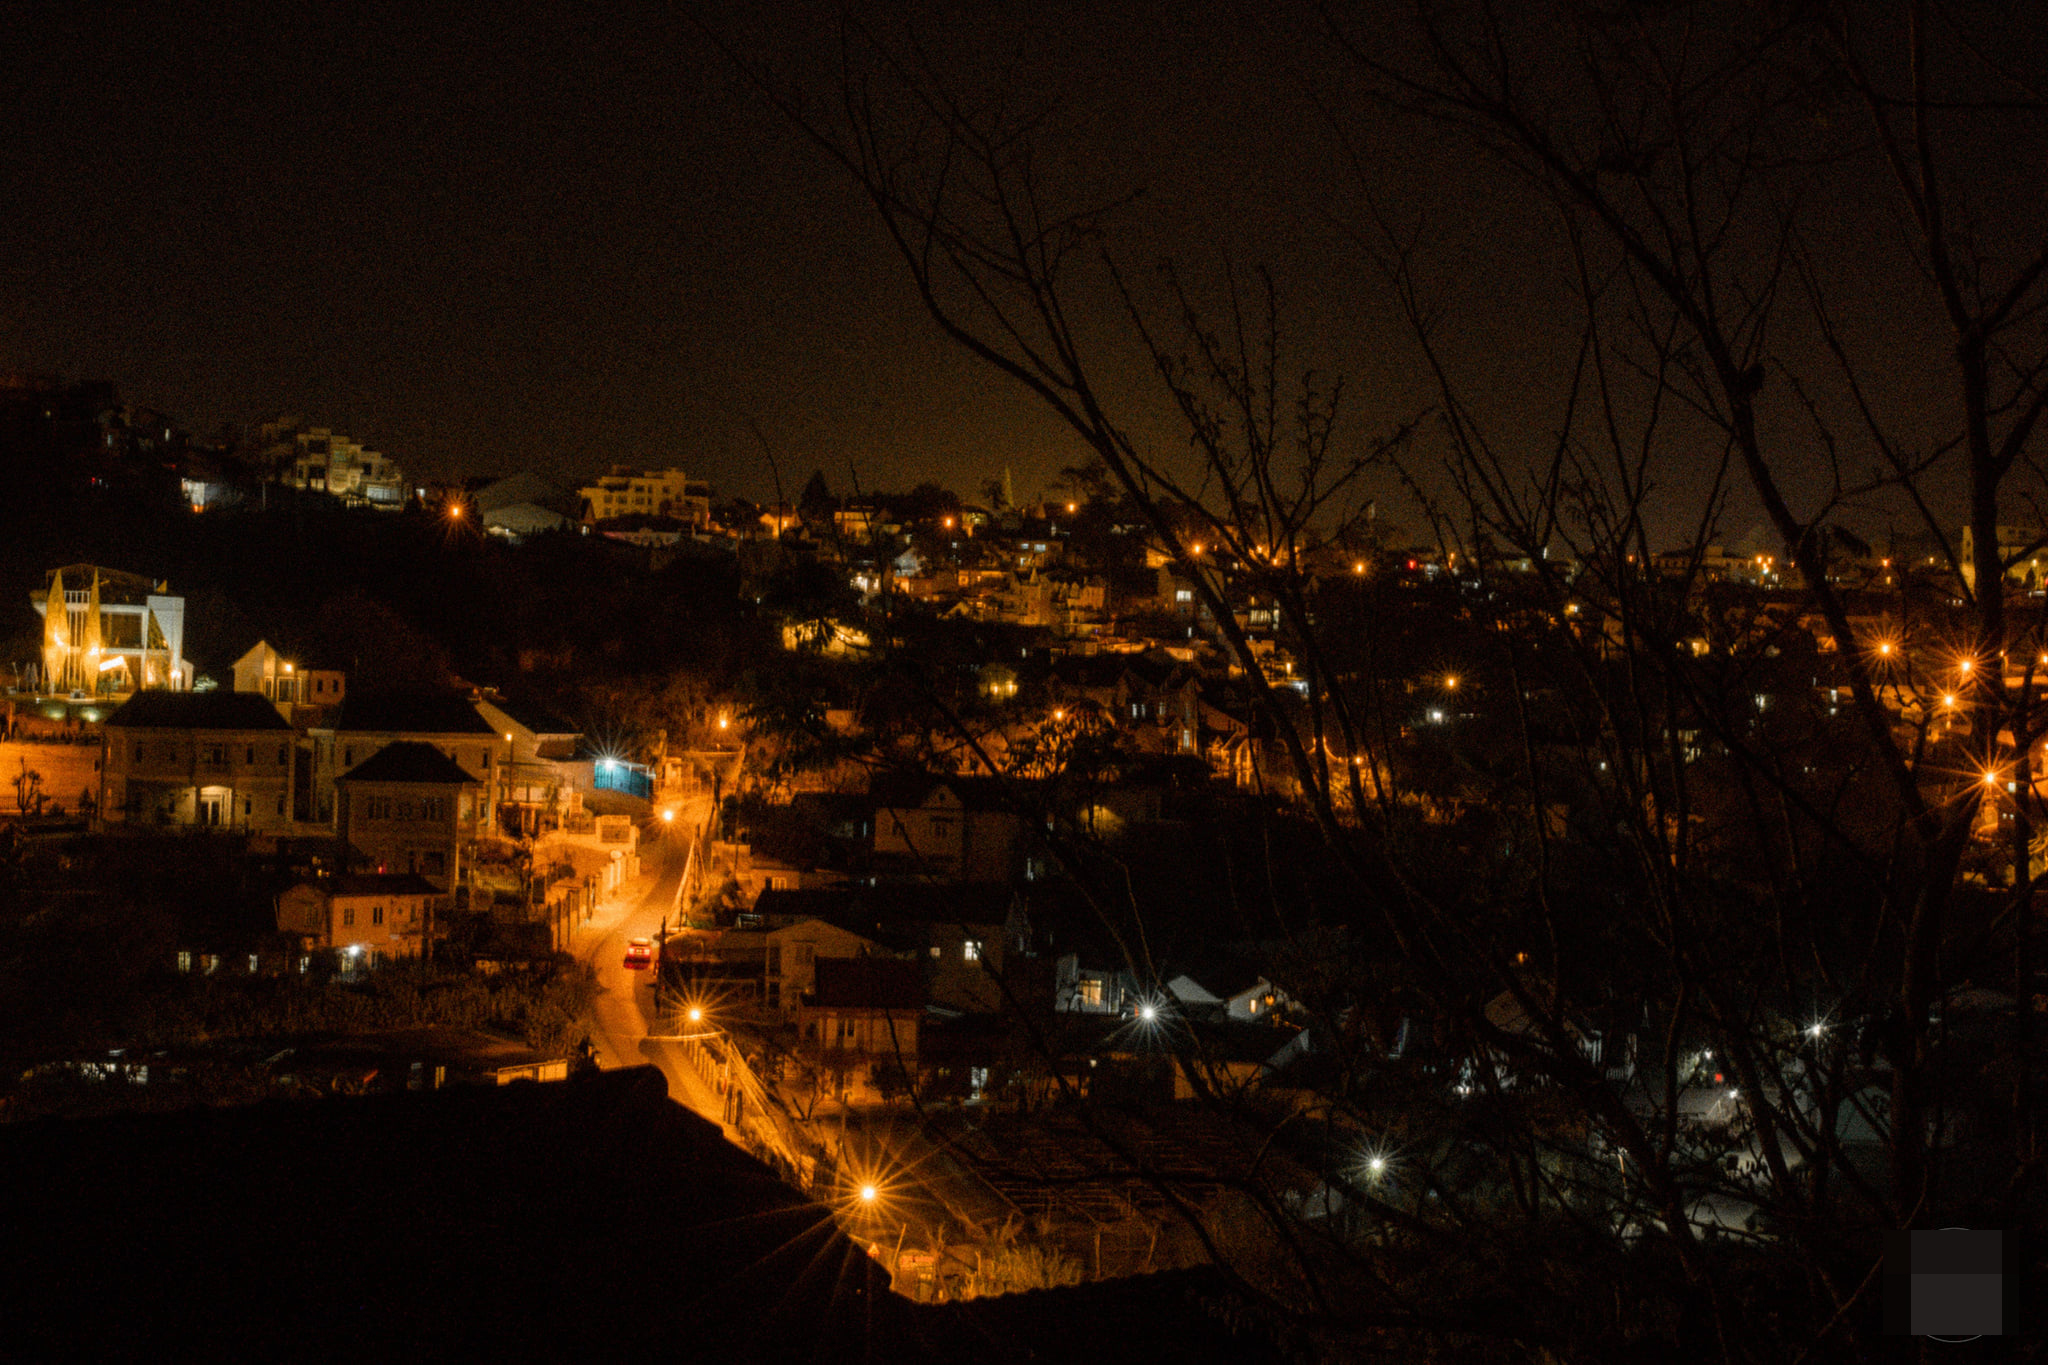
(323, 462)
(409, 808)
(367, 915)
(209, 760)
(285, 681)
(627, 492)
(366, 724)
(107, 633)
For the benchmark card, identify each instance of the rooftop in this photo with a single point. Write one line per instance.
(379, 884)
(408, 760)
(416, 713)
(868, 983)
(196, 711)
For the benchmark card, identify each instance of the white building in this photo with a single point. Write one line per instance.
(326, 463)
(112, 633)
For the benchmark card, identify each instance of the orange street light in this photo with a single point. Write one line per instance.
(1072, 507)
(1450, 682)
(1964, 666)
(1884, 647)
(455, 511)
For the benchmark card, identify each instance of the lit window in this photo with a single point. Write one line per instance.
(971, 950)
(185, 961)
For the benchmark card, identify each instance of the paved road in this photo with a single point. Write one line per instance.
(625, 1002)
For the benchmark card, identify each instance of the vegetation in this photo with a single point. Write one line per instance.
(1662, 823)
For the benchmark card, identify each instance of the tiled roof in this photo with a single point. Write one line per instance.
(537, 719)
(399, 713)
(380, 884)
(197, 711)
(868, 983)
(408, 760)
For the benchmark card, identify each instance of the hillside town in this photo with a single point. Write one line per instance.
(1362, 682)
(973, 870)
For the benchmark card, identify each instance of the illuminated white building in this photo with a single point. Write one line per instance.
(326, 463)
(106, 632)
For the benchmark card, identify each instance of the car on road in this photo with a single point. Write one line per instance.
(640, 954)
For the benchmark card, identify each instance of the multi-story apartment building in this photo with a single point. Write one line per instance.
(215, 760)
(323, 462)
(626, 492)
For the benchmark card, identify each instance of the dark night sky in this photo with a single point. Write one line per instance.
(509, 236)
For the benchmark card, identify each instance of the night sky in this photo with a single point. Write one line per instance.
(496, 237)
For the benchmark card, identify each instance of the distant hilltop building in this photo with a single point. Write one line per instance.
(2022, 549)
(107, 632)
(626, 492)
(320, 461)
